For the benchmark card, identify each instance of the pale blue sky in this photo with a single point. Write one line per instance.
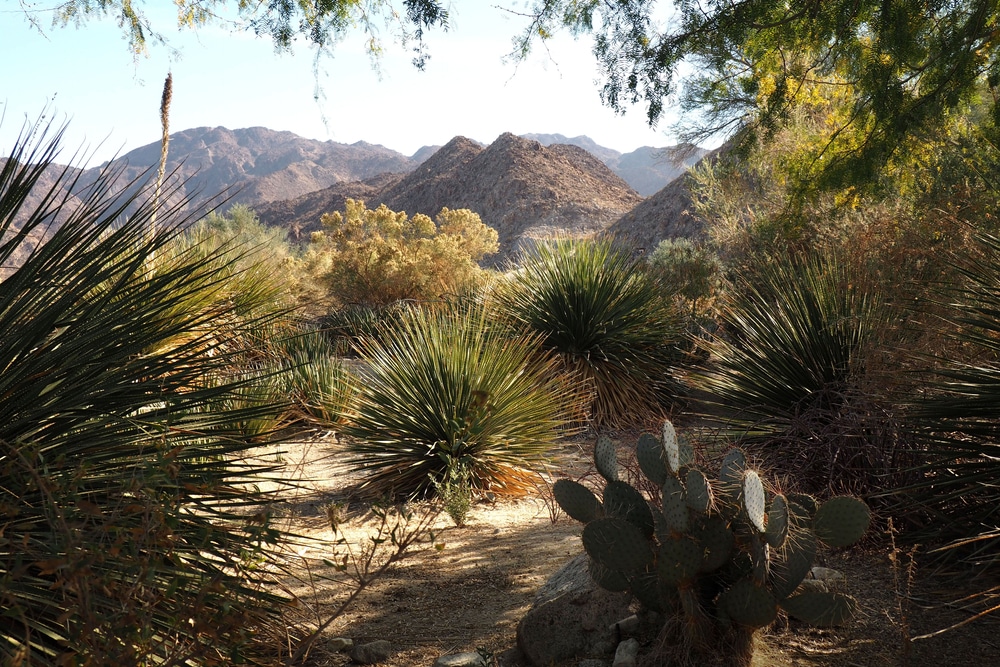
(235, 79)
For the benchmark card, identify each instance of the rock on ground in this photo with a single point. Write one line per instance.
(570, 617)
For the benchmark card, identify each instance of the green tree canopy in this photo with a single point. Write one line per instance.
(319, 23)
(905, 64)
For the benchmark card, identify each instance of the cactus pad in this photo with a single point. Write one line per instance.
(679, 560)
(606, 458)
(749, 604)
(734, 463)
(821, 609)
(609, 580)
(617, 545)
(699, 491)
(675, 508)
(717, 541)
(792, 563)
(841, 521)
(671, 448)
(577, 501)
(753, 499)
(624, 502)
(805, 501)
(777, 522)
(649, 453)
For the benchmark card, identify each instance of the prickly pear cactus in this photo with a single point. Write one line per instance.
(718, 553)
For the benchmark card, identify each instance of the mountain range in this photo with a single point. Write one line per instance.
(525, 187)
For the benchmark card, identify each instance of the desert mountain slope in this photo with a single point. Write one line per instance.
(520, 188)
(667, 214)
(646, 169)
(256, 165)
(517, 186)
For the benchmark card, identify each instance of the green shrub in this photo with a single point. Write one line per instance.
(128, 533)
(686, 269)
(450, 388)
(314, 380)
(606, 322)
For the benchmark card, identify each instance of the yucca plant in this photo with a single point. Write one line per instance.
(959, 420)
(791, 374)
(130, 533)
(448, 390)
(606, 322)
(321, 389)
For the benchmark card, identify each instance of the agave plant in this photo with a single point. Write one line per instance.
(449, 390)
(606, 322)
(129, 531)
(791, 376)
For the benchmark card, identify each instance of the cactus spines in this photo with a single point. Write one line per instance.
(617, 545)
(624, 502)
(777, 522)
(606, 458)
(734, 463)
(805, 501)
(577, 500)
(650, 454)
(820, 608)
(606, 578)
(717, 540)
(749, 603)
(841, 521)
(753, 499)
(699, 491)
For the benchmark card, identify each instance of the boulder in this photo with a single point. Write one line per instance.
(371, 653)
(571, 617)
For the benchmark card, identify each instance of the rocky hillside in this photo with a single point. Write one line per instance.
(667, 214)
(256, 165)
(646, 169)
(520, 188)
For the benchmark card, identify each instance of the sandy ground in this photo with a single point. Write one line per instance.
(468, 588)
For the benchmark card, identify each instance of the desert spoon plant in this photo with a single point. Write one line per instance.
(718, 561)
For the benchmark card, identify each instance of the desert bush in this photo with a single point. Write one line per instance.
(347, 325)
(377, 257)
(612, 330)
(449, 390)
(687, 269)
(130, 534)
(795, 376)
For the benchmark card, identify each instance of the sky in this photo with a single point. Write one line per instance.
(88, 77)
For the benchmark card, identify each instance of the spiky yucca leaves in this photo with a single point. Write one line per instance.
(449, 388)
(605, 320)
(318, 385)
(792, 377)
(960, 428)
(127, 532)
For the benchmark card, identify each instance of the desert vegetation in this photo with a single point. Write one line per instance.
(839, 341)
